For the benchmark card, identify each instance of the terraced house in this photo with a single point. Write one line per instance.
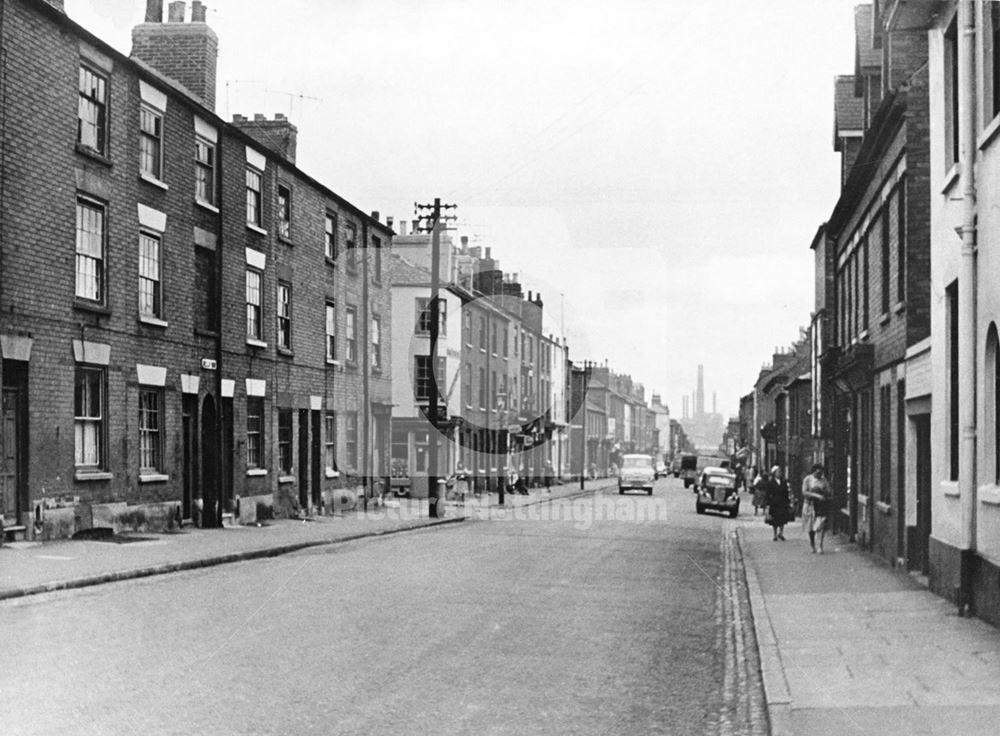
(193, 328)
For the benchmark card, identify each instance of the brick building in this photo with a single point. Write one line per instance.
(876, 252)
(192, 327)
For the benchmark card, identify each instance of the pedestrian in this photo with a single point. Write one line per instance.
(816, 497)
(759, 491)
(549, 475)
(779, 510)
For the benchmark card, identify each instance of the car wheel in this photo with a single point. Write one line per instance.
(649, 491)
(699, 508)
(734, 512)
(621, 491)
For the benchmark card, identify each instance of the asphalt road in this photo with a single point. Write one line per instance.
(603, 615)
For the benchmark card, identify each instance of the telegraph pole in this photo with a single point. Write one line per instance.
(436, 223)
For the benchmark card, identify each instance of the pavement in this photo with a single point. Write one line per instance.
(849, 645)
(30, 568)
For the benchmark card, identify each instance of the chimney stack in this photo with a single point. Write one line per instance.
(187, 53)
(175, 11)
(375, 215)
(154, 11)
(389, 220)
(278, 135)
(198, 11)
(402, 227)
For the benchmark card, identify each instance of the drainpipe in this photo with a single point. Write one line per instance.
(967, 300)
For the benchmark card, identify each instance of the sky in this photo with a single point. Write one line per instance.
(655, 169)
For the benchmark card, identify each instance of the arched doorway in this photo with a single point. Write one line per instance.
(211, 514)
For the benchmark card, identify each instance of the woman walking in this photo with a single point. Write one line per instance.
(778, 503)
(816, 497)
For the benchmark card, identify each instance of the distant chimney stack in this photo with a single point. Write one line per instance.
(187, 53)
(198, 11)
(375, 215)
(402, 227)
(389, 220)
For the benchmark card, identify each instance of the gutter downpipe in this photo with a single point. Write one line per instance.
(967, 301)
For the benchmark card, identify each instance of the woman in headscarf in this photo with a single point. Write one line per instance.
(779, 510)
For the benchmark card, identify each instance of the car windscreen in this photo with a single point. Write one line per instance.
(635, 463)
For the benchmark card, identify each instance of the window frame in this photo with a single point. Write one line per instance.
(351, 246)
(330, 442)
(351, 334)
(99, 102)
(254, 197)
(283, 314)
(82, 420)
(376, 341)
(351, 439)
(331, 331)
(284, 214)
(286, 465)
(204, 168)
(151, 236)
(255, 433)
(151, 437)
(255, 310)
(152, 138)
(422, 377)
(100, 271)
(376, 260)
(330, 236)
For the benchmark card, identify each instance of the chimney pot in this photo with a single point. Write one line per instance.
(259, 118)
(239, 118)
(154, 11)
(416, 226)
(198, 10)
(175, 13)
(389, 220)
(375, 215)
(402, 227)
(280, 116)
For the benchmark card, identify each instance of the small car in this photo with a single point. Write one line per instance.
(716, 489)
(637, 473)
(661, 470)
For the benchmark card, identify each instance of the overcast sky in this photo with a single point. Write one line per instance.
(656, 169)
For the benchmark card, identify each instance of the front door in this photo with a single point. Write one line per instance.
(314, 461)
(13, 436)
(211, 513)
(923, 533)
(304, 475)
(189, 420)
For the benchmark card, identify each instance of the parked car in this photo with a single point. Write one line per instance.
(661, 469)
(716, 490)
(637, 473)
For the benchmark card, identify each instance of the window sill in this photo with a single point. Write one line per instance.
(254, 343)
(950, 488)
(86, 476)
(331, 262)
(93, 154)
(286, 239)
(153, 477)
(331, 361)
(207, 206)
(989, 495)
(150, 179)
(284, 480)
(256, 472)
(883, 508)
(257, 229)
(989, 133)
(951, 177)
(900, 307)
(205, 333)
(331, 473)
(286, 352)
(352, 365)
(152, 321)
(884, 319)
(91, 307)
(862, 500)
(377, 369)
